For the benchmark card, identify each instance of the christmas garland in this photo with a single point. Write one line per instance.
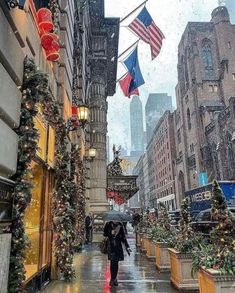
(28, 137)
(78, 171)
(35, 90)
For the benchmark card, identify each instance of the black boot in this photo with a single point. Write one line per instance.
(115, 282)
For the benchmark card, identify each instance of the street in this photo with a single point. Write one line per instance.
(137, 274)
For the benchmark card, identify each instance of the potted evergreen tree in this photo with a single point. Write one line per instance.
(164, 238)
(181, 254)
(216, 261)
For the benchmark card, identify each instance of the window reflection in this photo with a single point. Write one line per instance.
(32, 222)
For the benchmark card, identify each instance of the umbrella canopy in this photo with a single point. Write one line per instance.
(117, 216)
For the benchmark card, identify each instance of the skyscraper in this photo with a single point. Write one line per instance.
(155, 107)
(137, 129)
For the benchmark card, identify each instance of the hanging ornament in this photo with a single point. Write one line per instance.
(52, 54)
(50, 40)
(44, 19)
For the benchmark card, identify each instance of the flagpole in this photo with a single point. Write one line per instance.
(128, 48)
(121, 77)
(133, 11)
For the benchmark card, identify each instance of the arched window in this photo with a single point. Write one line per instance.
(189, 119)
(207, 59)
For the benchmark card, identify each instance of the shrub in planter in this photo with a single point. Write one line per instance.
(181, 255)
(218, 257)
(164, 237)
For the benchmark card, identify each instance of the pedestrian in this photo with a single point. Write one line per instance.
(88, 227)
(116, 236)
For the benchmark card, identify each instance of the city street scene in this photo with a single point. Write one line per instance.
(117, 146)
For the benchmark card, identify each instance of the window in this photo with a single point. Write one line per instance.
(189, 119)
(233, 76)
(229, 45)
(213, 88)
(207, 59)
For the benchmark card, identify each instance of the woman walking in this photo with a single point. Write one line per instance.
(115, 233)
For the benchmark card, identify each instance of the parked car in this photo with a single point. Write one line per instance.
(204, 223)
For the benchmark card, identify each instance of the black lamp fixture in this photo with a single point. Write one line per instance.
(79, 118)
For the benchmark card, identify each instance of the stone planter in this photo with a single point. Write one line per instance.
(211, 281)
(162, 256)
(150, 249)
(181, 266)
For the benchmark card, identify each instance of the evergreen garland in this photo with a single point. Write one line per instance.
(35, 90)
(28, 137)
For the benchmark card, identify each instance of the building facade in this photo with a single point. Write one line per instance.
(155, 107)
(164, 162)
(205, 87)
(85, 74)
(136, 123)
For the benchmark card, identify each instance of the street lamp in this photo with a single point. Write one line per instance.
(80, 116)
(83, 114)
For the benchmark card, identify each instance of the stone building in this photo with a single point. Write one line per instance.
(206, 77)
(101, 36)
(164, 159)
(84, 74)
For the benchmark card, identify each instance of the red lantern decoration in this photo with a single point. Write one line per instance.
(44, 19)
(49, 40)
(52, 55)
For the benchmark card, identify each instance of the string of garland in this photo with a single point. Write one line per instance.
(78, 172)
(28, 137)
(35, 90)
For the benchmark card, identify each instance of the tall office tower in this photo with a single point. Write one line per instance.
(137, 129)
(155, 107)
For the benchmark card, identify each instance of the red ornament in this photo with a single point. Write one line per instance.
(52, 55)
(44, 19)
(49, 40)
(74, 111)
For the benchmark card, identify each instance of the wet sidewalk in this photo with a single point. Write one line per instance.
(137, 274)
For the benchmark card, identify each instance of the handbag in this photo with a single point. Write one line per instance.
(104, 245)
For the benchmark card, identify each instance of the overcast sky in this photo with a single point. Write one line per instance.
(160, 74)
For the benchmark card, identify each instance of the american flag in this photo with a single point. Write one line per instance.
(144, 26)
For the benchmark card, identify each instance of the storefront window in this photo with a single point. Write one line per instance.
(32, 222)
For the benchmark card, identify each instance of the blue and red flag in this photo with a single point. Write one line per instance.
(145, 28)
(133, 79)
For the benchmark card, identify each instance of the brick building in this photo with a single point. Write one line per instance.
(164, 157)
(206, 82)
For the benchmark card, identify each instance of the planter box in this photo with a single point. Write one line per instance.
(181, 266)
(211, 281)
(150, 249)
(162, 256)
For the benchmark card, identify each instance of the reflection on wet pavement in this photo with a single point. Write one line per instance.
(136, 274)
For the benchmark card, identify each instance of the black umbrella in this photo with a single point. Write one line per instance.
(117, 216)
